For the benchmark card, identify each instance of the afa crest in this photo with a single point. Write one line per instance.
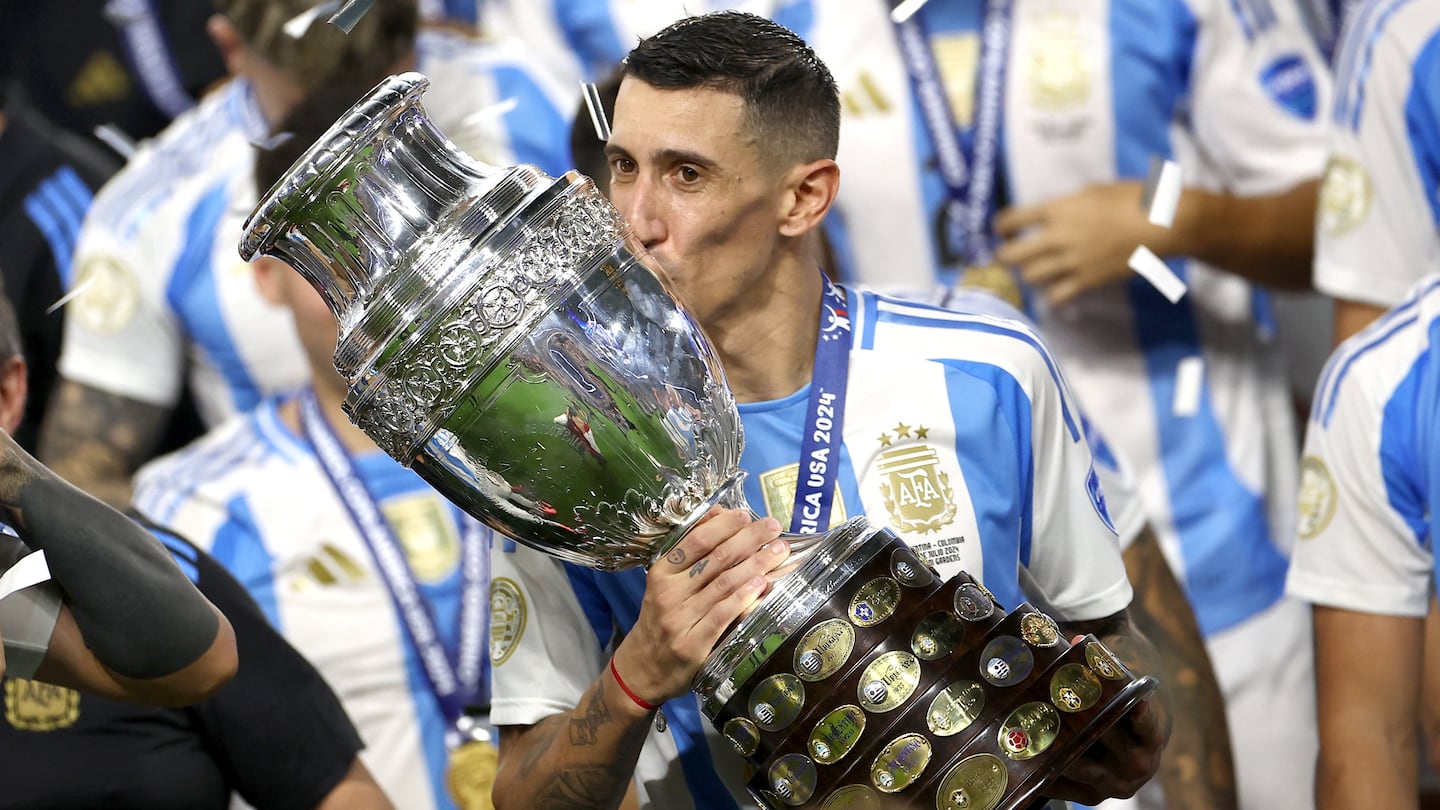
(36, 706)
(917, 492)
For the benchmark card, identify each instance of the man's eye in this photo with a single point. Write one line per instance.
(622, 165)
(688, 174)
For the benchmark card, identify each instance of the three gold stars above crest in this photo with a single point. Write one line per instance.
(903, 431)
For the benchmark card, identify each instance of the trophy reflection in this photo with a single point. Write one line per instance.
(505, 335)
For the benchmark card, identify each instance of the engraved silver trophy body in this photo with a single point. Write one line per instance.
(505, 335)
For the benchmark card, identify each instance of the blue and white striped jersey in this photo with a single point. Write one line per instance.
(981, 465)
(1378, 229)
(253, 495)
(163, 285)
(1370, 476)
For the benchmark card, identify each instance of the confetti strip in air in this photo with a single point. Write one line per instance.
(493, 112)
(111, 136)
(1189, 375)
(597, 111)
(350, 14)
(1146, 263)
(1162, 192)
(905, 10)
(70, 296)
(32, 570)
(296, 26)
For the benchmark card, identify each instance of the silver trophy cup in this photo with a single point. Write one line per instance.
(505, 335)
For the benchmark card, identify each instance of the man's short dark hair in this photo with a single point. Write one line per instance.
(790, 97)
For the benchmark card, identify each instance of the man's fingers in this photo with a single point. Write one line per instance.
(713, 530)
(1013, 220)
(1019, 252)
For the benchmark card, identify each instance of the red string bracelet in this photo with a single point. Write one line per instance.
(623, 688)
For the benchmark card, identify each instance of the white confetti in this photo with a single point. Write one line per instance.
(70, 296)
(1189, 375)
(113, 137)
(1162, 192)
(349, 15)
(597, 111)
(491, 112)
(906, 10)
(1147, 264)
(32, 570)
(296, 26)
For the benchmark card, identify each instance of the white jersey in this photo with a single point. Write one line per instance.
(1004, 488)
(253, 495)
(1378, 228)
(161, 282)
(1370, 483)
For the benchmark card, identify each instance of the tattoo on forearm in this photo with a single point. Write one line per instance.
(585, 729)
(579, 788)
(1196, 769)
(96, 439)
(698, 568)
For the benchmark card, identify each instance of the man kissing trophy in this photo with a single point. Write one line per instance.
(479, 307)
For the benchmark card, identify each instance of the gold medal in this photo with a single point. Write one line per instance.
(471, 774)
(994, 279)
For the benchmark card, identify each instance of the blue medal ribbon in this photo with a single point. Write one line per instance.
(969, 174)
(150, 55)
(820, 445)
(457, 680)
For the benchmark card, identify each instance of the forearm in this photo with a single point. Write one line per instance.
(137, 612)
(96, 440)
(1197, 770)
(582, 759)
(1268, 240)
(1366, 770)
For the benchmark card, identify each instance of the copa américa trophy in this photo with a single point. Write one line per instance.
(505, 335)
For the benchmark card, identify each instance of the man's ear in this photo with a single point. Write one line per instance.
(14, 387)
(270, 278)
(810, 191)
(228, 42)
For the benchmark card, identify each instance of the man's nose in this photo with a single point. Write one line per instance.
(639, 204)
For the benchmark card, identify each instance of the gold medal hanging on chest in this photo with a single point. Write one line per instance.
(470, 774)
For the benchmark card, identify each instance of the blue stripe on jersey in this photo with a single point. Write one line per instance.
(620, 594)
(1355, 96)
(237, 546)
(1399, 459)
(1324, 391)
(431, 721)
(869, 306)
(193, 294)
(531, 126)
(1360, 349)
(592, 601)
(590, 31)
(992, 445)
(991, 327)
(57, 206)
(1255, 16)
(1422, 121)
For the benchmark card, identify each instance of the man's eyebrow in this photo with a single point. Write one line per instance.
(682, 156)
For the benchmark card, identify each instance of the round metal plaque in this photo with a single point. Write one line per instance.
(742, 734)
(874, 602)
(900, 763)
(1074, 688)
(910, 570)
(953, 710)
(776, 701)
(836, 734)
(1006, 661)
(792, 779)
(936, 636)
(824, 649)
(1029, 730)
(853, 797)
(1103, 662)
(975, 783)
(972, 604)
(888, 681)
(1039, 629)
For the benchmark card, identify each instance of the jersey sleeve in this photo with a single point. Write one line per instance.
(277, 729)
(544, 653)
(120, 333)
(1363, 539)
(1378, 225)
(1259, 96)
(1074, 560)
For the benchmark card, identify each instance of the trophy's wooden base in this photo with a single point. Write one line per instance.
(906, 691)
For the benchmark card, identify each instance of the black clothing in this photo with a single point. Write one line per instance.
(276, 734)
